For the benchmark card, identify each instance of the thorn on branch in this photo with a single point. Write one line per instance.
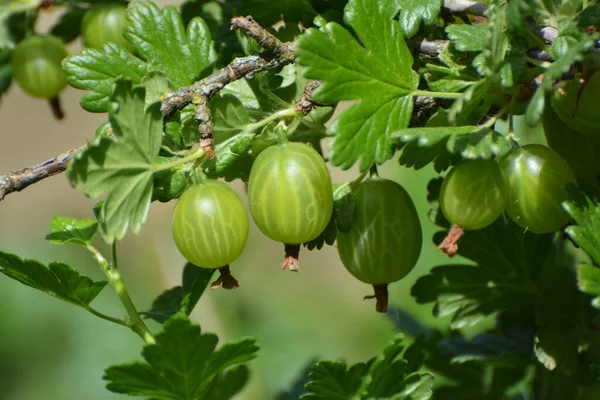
(306, 103)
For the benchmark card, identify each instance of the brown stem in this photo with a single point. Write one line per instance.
(306, 103)
(450, 243)
(292, 252)
(381, 296)
(56, 108)
(225, 280)
(264, 38)
(203, 117)
(19, 180)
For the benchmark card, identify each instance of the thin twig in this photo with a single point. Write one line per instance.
(306, 103)
(19, 180)
(200, 93)
(264, 38)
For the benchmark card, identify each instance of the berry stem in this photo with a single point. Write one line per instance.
(450, 243)
(225, 280)
(56, 108)
(196, 154)
(136, 324)
(292, 252)
(381, 297)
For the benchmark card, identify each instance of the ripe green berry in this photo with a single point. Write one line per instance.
(537, 178)
(384, 243)
(210, 224)
(105, 23)
(578, 105)
(36, 66)
(290, 195)
(473, 194)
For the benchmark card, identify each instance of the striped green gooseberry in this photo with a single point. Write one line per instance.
(290, 195)
(105, 23)
(537, 178)
(472, 197)
(577, 105)
(36, 66)
(210, 227)
(384, 242)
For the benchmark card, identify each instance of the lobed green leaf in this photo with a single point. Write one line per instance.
(57, 279)
(416, 11)
(160, 38)
(72, 230)
(393, 374)
(181, 299)
(586, 214)
(181, 365)
(379, 75)
(97, 70)
(123, 166)
(445, 146)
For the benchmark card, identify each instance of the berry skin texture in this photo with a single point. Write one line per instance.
(290, 193)
(583, 114)
(385, 240)
(473, 194)
(104, 23)
(210, 224)
(537, 178)
(36, 66)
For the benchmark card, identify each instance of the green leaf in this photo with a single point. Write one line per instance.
(68, 26)
(181, 365)
(5, 71)
(554, 347)
(228, 384)
(13, 22)
(57, 279)
(122, 166)
(72, 230)
(378, 75)
(497, 39)
(97, 70)
(390, 375)
(416, 11)
(156, 85)
(456, 75)
(231, 143)
(344, 206)
(559, 67)
(468, 37)
(586, 214)
(588, 281)
(327, 236)
(444, 145)
(160, 38)
(504, 279)
(181, 299)
(334, 380)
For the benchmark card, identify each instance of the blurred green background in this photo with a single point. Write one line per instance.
(51, 350)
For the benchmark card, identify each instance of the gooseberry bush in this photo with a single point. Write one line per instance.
(203, 93)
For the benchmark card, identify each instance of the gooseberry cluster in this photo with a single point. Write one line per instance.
(290, 198)
(528, 183)
(36, 61)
